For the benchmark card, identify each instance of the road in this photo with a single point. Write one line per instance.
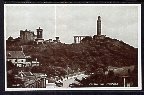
(66, 82)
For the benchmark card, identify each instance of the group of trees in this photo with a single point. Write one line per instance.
(86, 56)
(100, 78)
(12, 70)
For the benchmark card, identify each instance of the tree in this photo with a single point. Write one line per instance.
(111, 73)
(10, 38)
(36, 69)
(87, 38)
(10, 66)
(11, 72)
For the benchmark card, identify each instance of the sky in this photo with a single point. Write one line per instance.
(66, 21)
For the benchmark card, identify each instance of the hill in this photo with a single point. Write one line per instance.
(59, 58)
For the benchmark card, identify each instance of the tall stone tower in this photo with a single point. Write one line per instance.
(99, 26)
(39, 33)
(39, 38)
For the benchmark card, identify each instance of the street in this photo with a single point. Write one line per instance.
(66, 82)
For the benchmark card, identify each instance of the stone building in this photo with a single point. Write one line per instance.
(32, 80)
(19, 59)
(27, 36)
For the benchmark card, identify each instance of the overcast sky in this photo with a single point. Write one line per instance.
(120, 22)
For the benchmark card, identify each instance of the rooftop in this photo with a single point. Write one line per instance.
(15, 54)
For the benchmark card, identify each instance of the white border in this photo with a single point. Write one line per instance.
(89, 88)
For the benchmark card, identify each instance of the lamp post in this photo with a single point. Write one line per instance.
(36, 61)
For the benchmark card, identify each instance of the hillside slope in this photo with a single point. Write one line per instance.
(85, 56)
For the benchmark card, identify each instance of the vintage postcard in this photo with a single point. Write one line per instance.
(72, 47)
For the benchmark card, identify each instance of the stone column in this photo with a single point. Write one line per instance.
(74, 39)
(80, 39)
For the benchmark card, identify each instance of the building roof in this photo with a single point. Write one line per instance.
(30, 78)
(15, 54)
(28, 73)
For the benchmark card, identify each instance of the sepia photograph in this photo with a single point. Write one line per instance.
(72, 47)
